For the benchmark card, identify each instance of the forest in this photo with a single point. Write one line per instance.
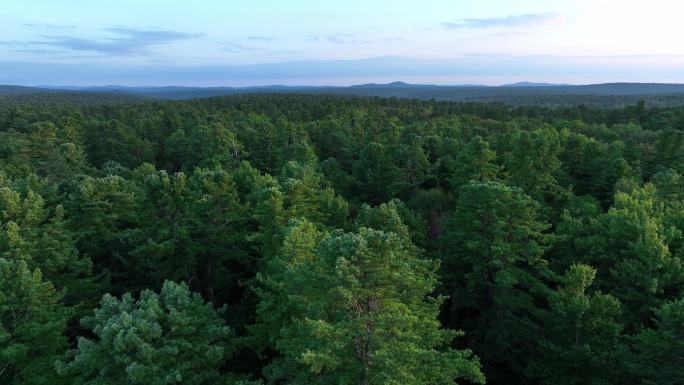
(320, 240)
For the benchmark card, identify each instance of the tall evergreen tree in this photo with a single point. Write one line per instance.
(29, 231)
(658, 355)
(32, 326)
(476, 161)
(579, 341)
(355, 308)
(628, 247)
(100, 212)
(494, 272)
(173, 337)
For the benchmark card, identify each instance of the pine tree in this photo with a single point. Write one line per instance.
(494, 272)
(579, 341)
(355, 308)
(173, 337)
(162, 243)
(474, 162)
(32, 326)
(220, 230)
(379, 177)
(658, 355)
(532, 164)
(31, 232)
(628, 247)
(100, 212)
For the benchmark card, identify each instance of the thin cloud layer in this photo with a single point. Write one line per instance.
(346, 38)
(233, 47)
(260, 38)
(511, 21)
(48, 26)
(128, 41)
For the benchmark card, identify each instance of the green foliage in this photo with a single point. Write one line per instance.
(99, 211)
(378, 176)
(111, 140)
(31, 233)
(659, 352)
(169, 338)
(316, 221)
(669, 204)
(207, 146)
(493, 269)
(580, 334)
(32, 325)
(474, 162)
(532, 163)
(355, 308)
(628, 247)
(594, 167)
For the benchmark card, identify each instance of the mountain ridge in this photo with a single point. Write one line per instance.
(521, 93)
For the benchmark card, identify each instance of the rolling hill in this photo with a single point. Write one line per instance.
(523, 93)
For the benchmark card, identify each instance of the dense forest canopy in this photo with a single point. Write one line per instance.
(304, 239)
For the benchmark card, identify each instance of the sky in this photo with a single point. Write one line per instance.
(307, 42)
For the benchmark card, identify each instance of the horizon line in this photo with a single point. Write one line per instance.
(519, 84)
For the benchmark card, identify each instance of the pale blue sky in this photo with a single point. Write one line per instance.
(260, 42)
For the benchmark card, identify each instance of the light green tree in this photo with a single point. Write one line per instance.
(32, 231)
(628, 246)
(169, 338)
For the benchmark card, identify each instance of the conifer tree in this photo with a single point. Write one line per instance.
(658, 354)
(628, 246)
(30, 232)
(494, 271)
(579, 342)
(32, 325)
(355, 308)
(173, 337)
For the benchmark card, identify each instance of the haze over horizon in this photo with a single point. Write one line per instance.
(265, 42)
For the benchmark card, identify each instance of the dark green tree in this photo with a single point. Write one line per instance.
(579, 342)
(355, 308)
(532, 163)
(379, 178)
(32, 326)
(658, 354)
(100, 212)
(494, 272)
(475, 161)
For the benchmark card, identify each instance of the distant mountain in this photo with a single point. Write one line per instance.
(531, 84)
(21, 90)
(629, 88)
(516, 93)
(393, 84)
(409, 85)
